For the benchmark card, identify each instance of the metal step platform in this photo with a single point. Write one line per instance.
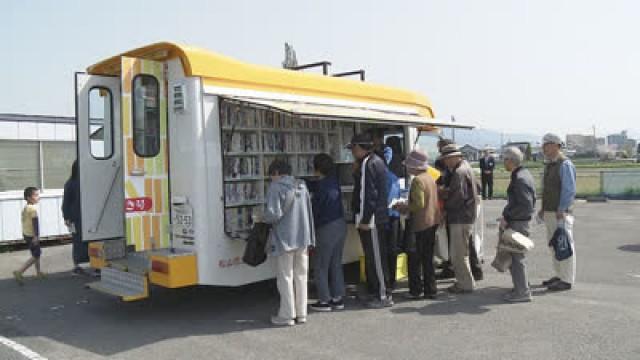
(126, 278)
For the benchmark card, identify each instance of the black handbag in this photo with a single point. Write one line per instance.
(254, 252)
(561, 243)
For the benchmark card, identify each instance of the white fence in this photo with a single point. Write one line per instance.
(49, 211)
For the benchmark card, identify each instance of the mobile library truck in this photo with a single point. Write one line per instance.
(173, 145)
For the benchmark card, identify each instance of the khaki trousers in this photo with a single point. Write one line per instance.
(566, 269)
(460, 234)
(292, 270)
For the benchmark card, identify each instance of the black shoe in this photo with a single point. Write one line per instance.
(550, 281)
(446, 274)
(431, 296)
(321, 306)
(337, 305)
(559, 286)
(410, 296)
(477, 276)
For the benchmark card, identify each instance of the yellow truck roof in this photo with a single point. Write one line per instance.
(219, 70)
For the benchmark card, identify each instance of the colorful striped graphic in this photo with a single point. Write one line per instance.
(145, 176)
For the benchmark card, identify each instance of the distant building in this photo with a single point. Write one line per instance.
(524, 146)
(601, 141)
(617, 141)
(630, 147)
(36, 151)
(470, 153)
(582, 144)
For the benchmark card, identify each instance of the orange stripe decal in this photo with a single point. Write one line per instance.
(146, 234)
(156, 231)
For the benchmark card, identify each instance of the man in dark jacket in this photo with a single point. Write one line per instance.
(460, 205)
(72, 218)
(521, 200)
(487, 164)
(371, 209)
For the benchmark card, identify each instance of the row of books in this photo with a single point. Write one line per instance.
(241, 166)
(279, 142)
(238, 116)
(238, 193)
(238, 221)
(240, 142)
(234, 115)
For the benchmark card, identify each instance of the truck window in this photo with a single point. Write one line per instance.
(146, 115)
(428, 142)
(100, 123)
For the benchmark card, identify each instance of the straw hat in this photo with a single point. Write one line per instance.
(450, 150)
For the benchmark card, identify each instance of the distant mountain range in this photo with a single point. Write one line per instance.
(481, 138)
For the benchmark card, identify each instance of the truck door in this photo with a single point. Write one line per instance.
(99, 156)
(146, 160)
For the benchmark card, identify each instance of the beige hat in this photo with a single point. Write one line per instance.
(450, 150)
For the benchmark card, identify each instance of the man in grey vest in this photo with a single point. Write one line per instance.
(558, 195)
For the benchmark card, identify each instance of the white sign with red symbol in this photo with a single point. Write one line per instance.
(139, 204)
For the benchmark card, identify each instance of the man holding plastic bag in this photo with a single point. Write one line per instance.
(558, 195)
(521, 199)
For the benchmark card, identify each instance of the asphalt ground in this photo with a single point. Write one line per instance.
(58, 318)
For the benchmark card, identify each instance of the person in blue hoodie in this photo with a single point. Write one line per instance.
(331, 232)
(394, 229)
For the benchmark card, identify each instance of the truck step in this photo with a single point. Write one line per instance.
(129, 286)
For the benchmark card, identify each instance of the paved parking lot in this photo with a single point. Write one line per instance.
(58, 318)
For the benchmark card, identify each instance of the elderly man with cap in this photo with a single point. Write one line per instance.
(558, 195)
(370, 204)
(425, 217)
(460, 206)
(521, 201)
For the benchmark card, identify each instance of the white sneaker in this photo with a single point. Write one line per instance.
(278, 321)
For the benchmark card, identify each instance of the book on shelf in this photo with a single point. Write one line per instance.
(239, 193)
(275, 142)
(241, 167)
(303, 165)
(240, 142)
(234, 115)
(238, 221)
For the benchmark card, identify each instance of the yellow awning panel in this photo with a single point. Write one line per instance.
(362, 113)
(222, 71)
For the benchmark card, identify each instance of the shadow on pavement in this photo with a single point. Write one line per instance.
(62, 309)
(630, 247)
(476, 303)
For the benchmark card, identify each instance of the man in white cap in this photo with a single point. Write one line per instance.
(558, 195)
(460, 201)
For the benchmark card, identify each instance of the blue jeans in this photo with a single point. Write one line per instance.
(328, 274)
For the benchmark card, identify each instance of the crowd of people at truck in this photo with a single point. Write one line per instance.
(442, 201)
(310, 216)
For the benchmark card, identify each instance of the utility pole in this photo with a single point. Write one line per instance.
(453, 130)
(595, 141)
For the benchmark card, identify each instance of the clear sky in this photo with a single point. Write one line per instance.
(509, 65)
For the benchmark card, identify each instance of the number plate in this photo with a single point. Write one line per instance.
(183, 222)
